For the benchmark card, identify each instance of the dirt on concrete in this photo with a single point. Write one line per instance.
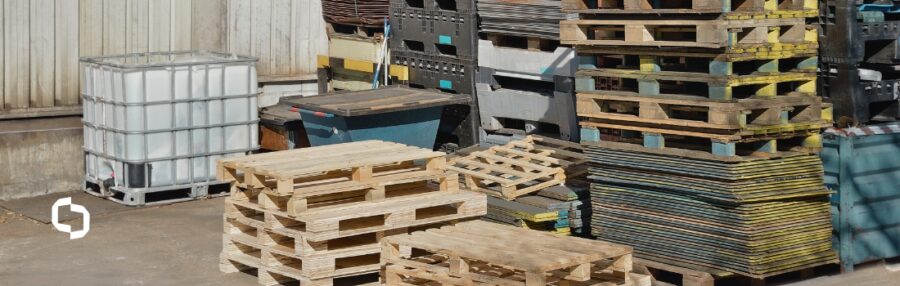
(177, 244)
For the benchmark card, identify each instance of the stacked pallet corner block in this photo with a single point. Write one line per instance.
(700, 121)
(317, 214)
(484, 253)
(525, 78)
(532, 183)
(356, 44)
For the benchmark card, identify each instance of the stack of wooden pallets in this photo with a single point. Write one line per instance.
(483, 253)
(712, 75)
(354, 51)
(700, 118)
(515, 173)
(316, 214)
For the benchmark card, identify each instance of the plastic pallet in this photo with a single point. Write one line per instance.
(857, 101)
(531, 101)
(527, 64)
(429, 71)
(436, 5)
(157, 196)
(851, 38)
(450, 34)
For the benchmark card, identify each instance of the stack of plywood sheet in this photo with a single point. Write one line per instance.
(315, 214)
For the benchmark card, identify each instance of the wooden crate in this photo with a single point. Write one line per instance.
(482, 252)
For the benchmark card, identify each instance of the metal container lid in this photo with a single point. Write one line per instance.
(377, 101)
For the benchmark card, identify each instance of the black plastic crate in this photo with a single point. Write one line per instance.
(437, 72)
(847, 39)
(858, 101)
(448, 34)
(436, 5)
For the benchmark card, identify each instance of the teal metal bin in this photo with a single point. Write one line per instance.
(397, 114)
(862, 167)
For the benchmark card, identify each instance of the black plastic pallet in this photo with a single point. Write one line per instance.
(437, 72)
(436, 5)
(450, 34)
(857, 101)
(853, 40)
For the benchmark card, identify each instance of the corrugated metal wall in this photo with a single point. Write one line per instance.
(41, 42)
(286, 36)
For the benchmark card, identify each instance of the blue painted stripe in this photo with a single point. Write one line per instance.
(445, 40)
(446, 84)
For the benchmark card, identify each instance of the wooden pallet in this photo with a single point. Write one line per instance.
(692, 143)
(741, 117)
(712, 34)
(274, 268)
(733, 10)
(700, 84)
(708, 277)
(483, 252)
(515, 169)
(368, 217)
(296, 180)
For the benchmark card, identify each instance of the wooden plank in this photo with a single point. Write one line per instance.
(66, 50)
(318, 38)
(160, 25)
(42, 60)
(181, 23)
(16, 65)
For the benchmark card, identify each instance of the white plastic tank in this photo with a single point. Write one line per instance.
(158, 121)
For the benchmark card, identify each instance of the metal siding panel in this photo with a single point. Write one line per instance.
(181, 25)
(160, 23)
(90, 27)
(239, 27)
(208, 26)
(67, 49)
(115, 27)
(3, 95)
(318, 38)
(281, 54)
(42, 57)
(16, 66)
(138, 26)
(262, 35)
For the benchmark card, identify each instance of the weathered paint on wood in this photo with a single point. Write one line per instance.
(286, 36)
(41, 41)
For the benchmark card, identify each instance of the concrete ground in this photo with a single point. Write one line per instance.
(176, 244)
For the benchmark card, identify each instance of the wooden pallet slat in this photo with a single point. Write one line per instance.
(483, 252)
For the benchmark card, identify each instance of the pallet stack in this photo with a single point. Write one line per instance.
(318, 214)
(525, 78)
(700, 120)
(436, 41)
(858, 69)
(355, 46)
(515, 174)
(483, 253)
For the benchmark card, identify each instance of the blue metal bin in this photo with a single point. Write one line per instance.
(862, 167)
(397, 114)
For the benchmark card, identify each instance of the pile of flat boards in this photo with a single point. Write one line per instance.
(527, 181)
(367, 13)
(483, 253)
(316, 214)
(754, 216)
(523, 18)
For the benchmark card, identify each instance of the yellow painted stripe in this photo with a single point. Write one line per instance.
(400, 72)
(357, 65)
(322, 61)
